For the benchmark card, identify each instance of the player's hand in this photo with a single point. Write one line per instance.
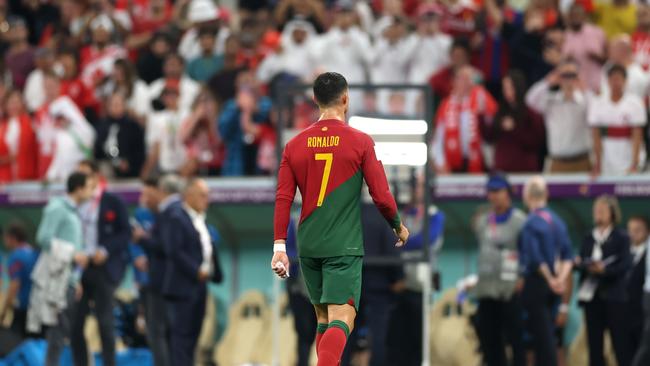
(403, 236)
(280, 264)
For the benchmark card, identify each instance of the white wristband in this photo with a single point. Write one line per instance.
(279, 248)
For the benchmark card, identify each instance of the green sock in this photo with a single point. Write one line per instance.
(321, 328)
(341, 325)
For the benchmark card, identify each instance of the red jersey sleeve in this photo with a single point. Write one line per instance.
(284, 195)
(375, 177)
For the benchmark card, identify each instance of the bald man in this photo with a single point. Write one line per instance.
(544, 239)
(192, 261)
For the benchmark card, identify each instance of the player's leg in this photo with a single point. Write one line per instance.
(341, 291)
(322, 319)
(311, 269)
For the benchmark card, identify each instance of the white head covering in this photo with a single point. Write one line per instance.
(202, 11)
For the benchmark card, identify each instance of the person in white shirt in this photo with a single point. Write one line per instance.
(173, 70)
(166, 150)
(295, 54)
(617, 122)
(563, 101)
(389, 61)
(201, 12)
(34, 92)
(621, 53)
(123, 79)
(428, 52)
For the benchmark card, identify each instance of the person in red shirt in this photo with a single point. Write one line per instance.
(71, 84)
(17, 141)
(442, 82)
(641, 37)
(328, 162)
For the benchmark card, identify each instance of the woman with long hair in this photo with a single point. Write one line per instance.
(124, 80)
(17, 141)
(516, 132)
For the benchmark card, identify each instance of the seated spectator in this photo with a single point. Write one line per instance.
(173, 70)
(120, 140)
(166, 152)
(585, 43)
(34, 95)
(295, 54)
(240, 127)
(457, 141)
(124, 80)
(18, 149)
(616, 17)
(641, 37)
(516, 132)
(621, 53)
(19, 58)
(202, 67)
(98, 58)
(617, 122)
(201, 13)
(639, 231)
(563, 102)
(22, 259)
(150, 61)
(205, 150)
(441, 82)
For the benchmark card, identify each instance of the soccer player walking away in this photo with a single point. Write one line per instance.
(328, 162)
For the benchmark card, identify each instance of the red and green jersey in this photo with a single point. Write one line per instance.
(328, 162)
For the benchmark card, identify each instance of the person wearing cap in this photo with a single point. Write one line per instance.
(198, 14)
(19, 58)
(497, 232)
(545, 263)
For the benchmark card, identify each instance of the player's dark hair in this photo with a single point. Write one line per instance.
(640, 218)
(76, 181)
(328, 87)
(617, 69)
(17, 231)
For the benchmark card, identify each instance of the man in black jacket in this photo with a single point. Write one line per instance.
(106, 234)
(191, 261)
(639, 231)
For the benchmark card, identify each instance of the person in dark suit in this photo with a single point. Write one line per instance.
(638, 229)
(191, 261)
(106, 235)
(160, 197)
(603, 264)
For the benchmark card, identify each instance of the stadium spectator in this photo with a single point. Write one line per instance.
(199, 133)
(147, 17)
(35, 96)
(295, 54)
(617, 122)
(621, 53)
(173, 70)
(603, 263)
(499, 310)
(18, 149)
(119, 146)
(223, 84)
(516, 132)
(616, 17)
(19, 58)
(124, 80)
(151, 60)
(310, 10)
(96, 60)
(53, 293)
(641, 37)
(585, 43)
(193, 262)
(202, 67)
(638, 229)
(106, 232)
(159, 197)
(197, 14)
(22, 258)
(240, 125)
(642, 356)
(563, 102)
(66, 68)
(165, 150)
(545, 261)
(442, 82)
(457, 141)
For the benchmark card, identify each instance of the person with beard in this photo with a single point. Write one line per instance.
(516, 132)
(585, 43)
(120, 140)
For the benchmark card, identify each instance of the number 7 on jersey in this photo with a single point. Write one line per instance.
(328, 157)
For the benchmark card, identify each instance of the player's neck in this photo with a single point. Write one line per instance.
(332, 113)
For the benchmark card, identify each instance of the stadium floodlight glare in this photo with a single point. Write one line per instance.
(402, 153)
(383, 126)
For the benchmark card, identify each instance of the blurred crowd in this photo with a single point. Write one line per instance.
(198, 86)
